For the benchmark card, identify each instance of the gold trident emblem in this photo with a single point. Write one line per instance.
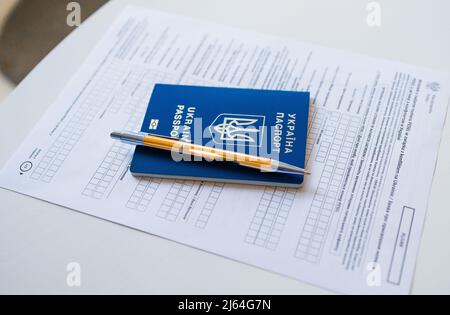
(237, 129)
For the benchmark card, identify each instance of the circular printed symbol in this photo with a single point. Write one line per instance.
(26, 166)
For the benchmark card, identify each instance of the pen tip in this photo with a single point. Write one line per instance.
(116, 135)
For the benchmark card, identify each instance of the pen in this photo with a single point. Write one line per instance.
(172, 144)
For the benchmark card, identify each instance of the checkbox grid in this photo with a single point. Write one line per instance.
(175, 200)
(126, 89)
(329, 132)
(116, 156)
(314, 232)
(119, 153)
(77, 124)
(270, 217)
(143, 194)
(209, 205)
(108, 169)
(317, 117)
(142, 84)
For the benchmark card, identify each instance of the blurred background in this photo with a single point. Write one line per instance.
(29, 30)
(411, 31)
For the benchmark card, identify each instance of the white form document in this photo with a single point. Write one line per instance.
(374, 132)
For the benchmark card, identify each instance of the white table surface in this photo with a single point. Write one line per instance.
(38, 239)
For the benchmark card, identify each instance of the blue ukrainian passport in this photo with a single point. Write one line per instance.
(267, 123)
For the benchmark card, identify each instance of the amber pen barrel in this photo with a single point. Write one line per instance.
(209, 153)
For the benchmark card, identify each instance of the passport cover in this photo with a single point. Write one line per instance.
(259, 122)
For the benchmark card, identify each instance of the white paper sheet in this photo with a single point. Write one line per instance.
(355, 226)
